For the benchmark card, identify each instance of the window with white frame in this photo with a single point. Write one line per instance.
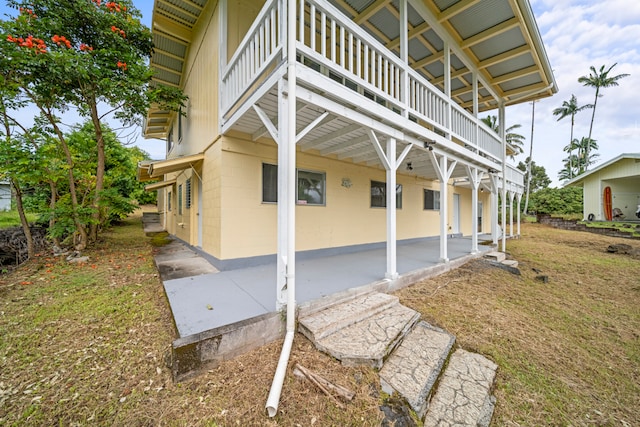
(180, 199)
(311, 188)
(431, 200)
(169, 195)
(379, 195)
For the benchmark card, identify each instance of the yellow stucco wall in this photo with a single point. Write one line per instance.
(249, 226)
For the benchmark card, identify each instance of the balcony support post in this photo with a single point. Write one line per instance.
(493, 182)
(475, 177)
(510, 196)
(501, 120)
(392, 271)
(444, 171)
(519, 202)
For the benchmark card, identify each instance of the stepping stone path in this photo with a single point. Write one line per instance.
(376, 330)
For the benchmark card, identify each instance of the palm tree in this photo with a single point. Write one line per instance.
(570, 109)
(514, 139)
(599, 79)
(584, 159)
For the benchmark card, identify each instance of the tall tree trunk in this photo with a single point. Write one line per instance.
(52, 206)
(23, 218)
(96, 216)
(529, 166)
(81, 244)
(593, 115)
(571, 148)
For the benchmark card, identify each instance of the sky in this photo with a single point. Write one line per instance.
(576, 34)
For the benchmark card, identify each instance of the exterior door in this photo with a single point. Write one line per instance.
(480, 217)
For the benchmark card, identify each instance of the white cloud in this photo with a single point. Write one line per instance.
(577, 35)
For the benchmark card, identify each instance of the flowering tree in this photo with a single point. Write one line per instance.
(89, 55)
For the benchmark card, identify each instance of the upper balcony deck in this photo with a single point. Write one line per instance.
(421, 71)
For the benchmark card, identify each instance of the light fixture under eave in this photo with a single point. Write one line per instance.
(409, 166)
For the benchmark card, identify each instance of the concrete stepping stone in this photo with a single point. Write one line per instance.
(369, 341)
(496, 256)
(464, 393)
(325, 322)
(415, 365)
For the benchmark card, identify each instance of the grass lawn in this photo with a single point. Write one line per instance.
(11, 218)
(85, 344)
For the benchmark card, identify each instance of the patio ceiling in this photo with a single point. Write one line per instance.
(498, 39)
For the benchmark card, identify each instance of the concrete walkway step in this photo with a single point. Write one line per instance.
(369, 341)
(328, 321)
(464, 393)
(413, 367)
(495, 256)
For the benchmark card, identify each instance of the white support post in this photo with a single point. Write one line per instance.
(444, 171)
(444, 213)
(288, 202)
(501, 119)
(283, 177)
(222, 61)
(392, 272)
(493, 182)
(519, 202)
(510, 196)
(390, 163)
(475, 177)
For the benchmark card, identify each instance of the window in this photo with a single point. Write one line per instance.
(188, 193)
(432, 200)
(169, 201)
(311, 188)
(310, 191)
(379, 195)
(269, 183)
(180, 199)
(169, 140)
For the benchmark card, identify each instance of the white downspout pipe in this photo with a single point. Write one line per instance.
(278, 378)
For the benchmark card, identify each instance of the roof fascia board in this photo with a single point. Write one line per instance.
(616, 159)
(523, 8)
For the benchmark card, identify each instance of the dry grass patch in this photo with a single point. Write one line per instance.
(568, 350)
(85, 344)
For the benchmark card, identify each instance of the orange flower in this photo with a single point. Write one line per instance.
(122, 65)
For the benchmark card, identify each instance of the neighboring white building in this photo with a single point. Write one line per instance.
(5, 196)
(622, 176)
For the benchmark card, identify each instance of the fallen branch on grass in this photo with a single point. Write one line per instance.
(323, 384)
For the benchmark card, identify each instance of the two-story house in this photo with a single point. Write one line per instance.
(334, 125)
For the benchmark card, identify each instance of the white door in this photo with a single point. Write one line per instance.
(456, 214)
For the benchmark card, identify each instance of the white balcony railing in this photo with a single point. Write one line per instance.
(338, 47)
(259, 49)
(514, 175)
